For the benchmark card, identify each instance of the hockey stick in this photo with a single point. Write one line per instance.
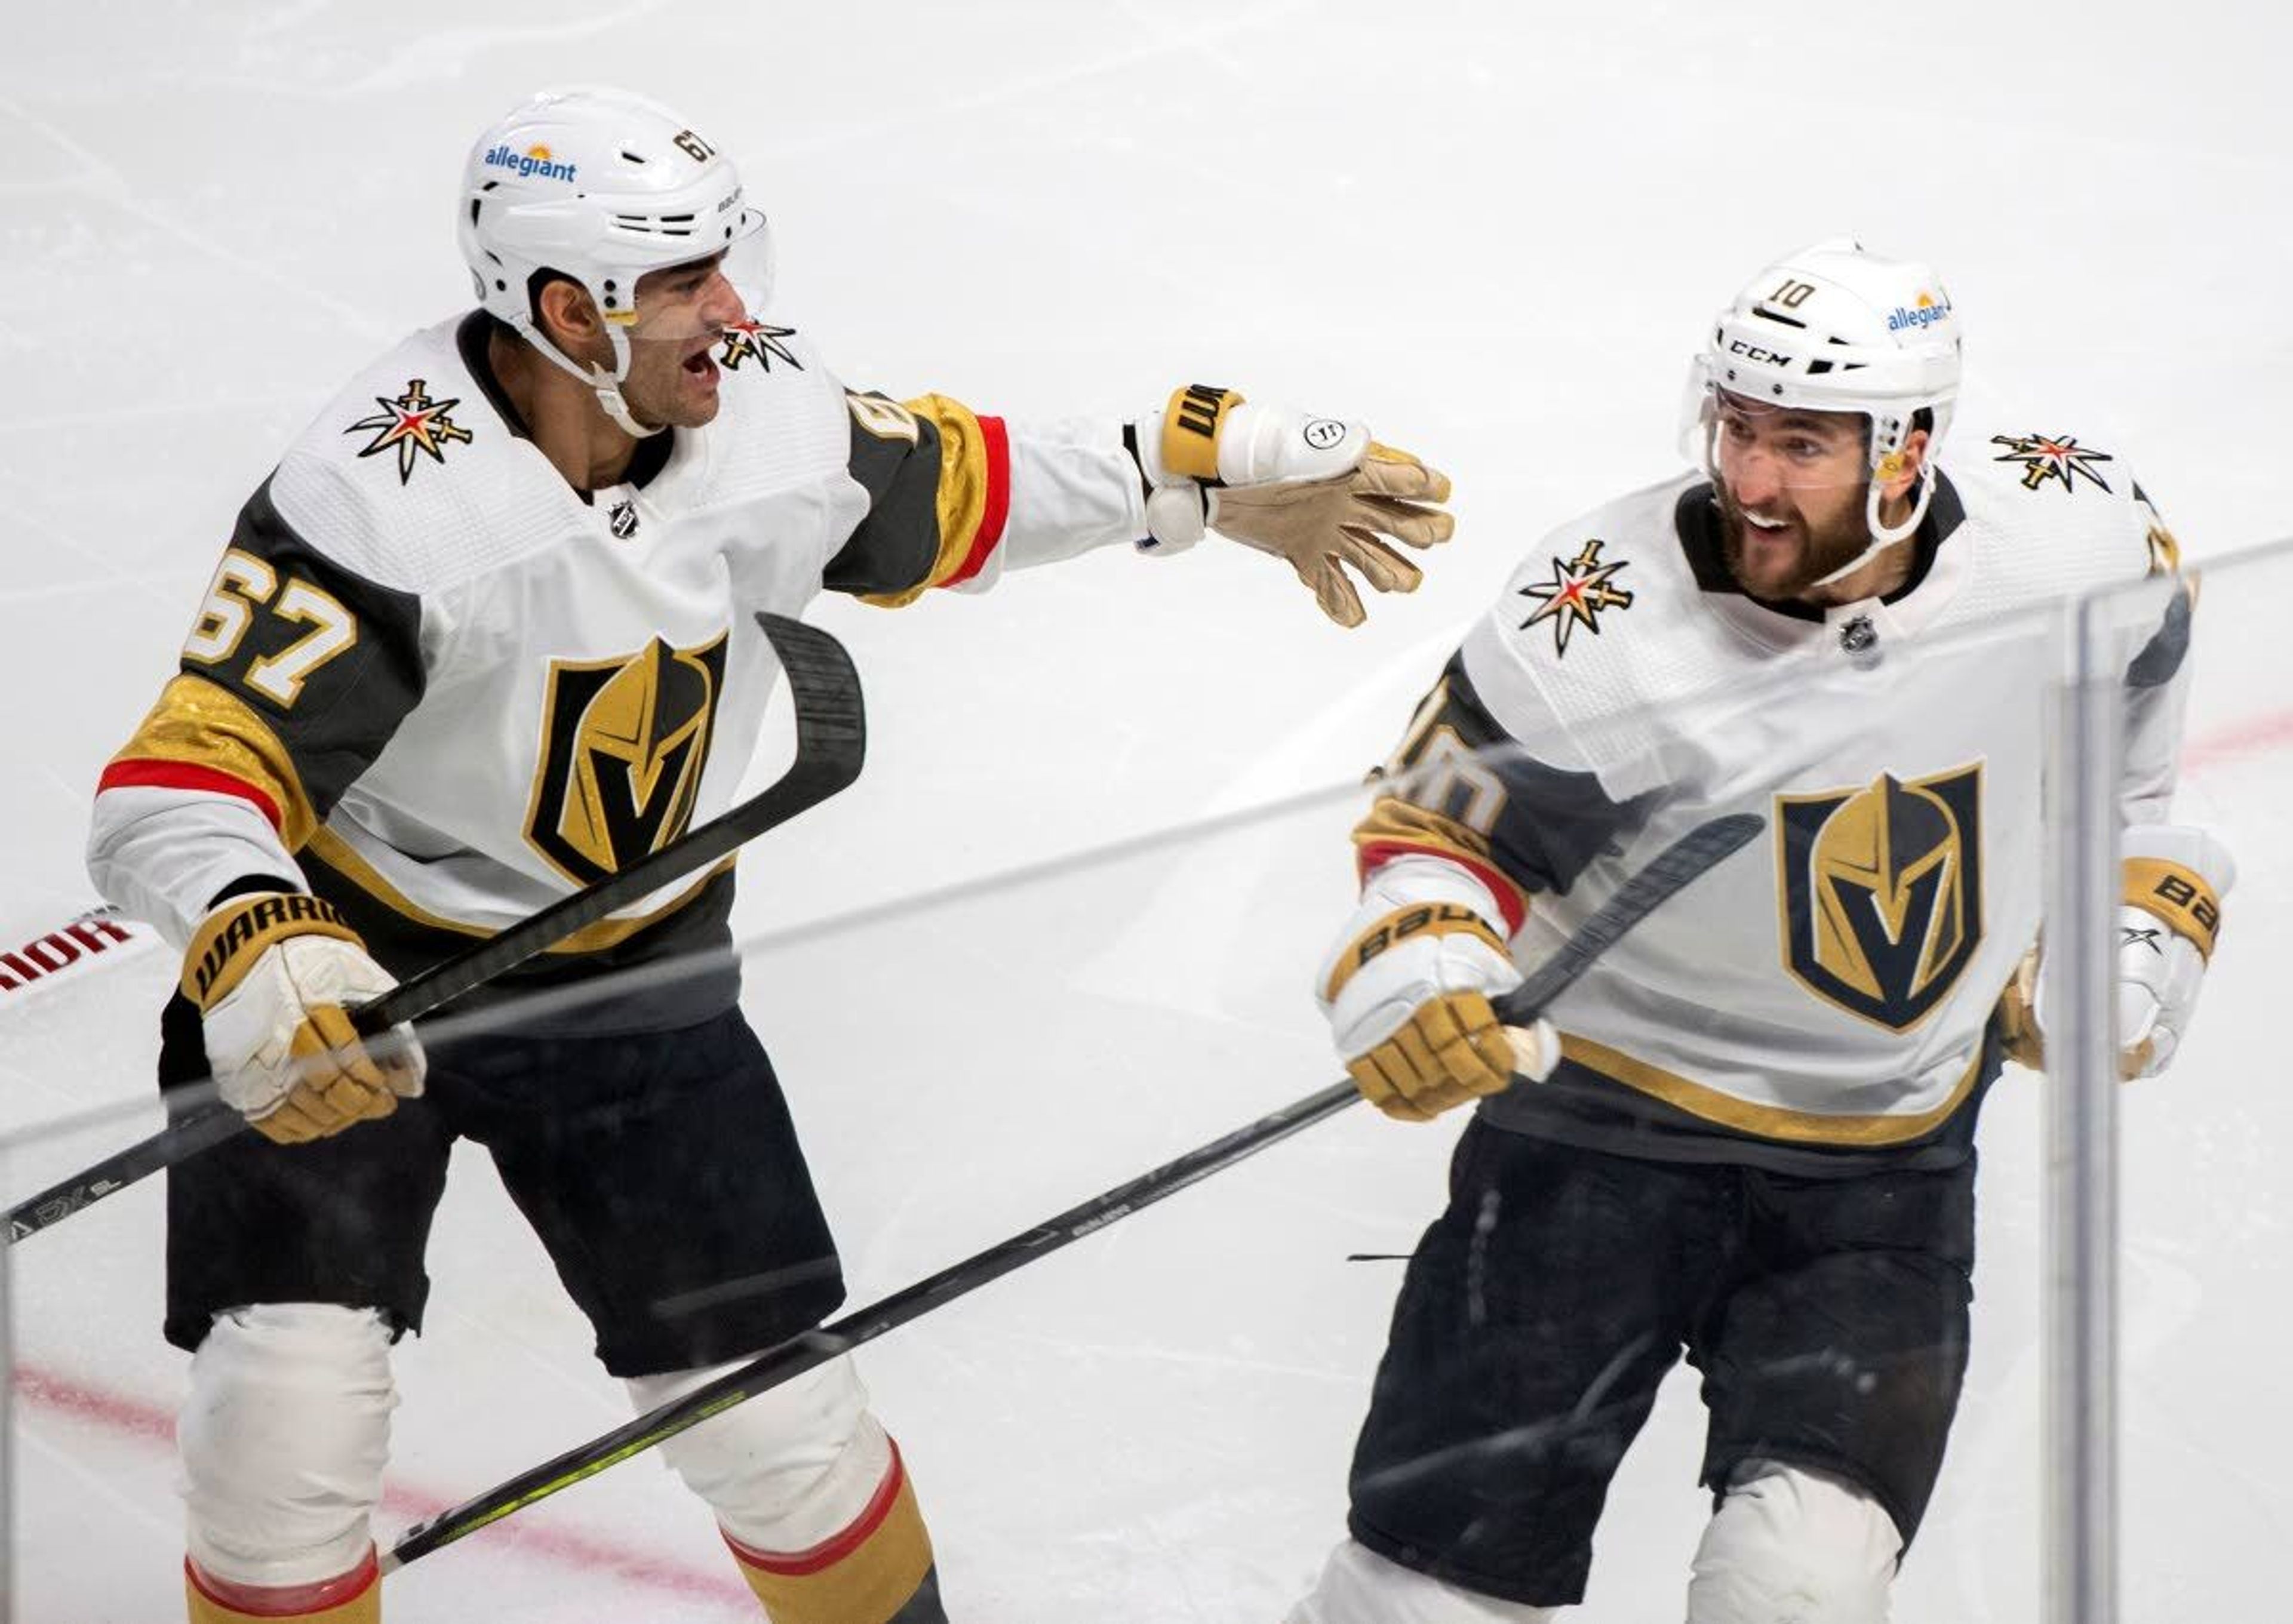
(830, 743)
(1701, 849)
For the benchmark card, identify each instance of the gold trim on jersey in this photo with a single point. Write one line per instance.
(345, 860)
(964, 476)
(201, 723)
(1393, 821)
(1767, 1121)
(2177, 896)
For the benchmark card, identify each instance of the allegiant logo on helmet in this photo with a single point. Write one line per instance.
(1931, 308)
(534, 161)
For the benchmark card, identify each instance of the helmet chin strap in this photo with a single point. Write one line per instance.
(605, 385)
(1884, 535)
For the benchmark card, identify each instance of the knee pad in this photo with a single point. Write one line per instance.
(1790, 1545)
(282, 1439)
(1359, 1586)
(791, 1469)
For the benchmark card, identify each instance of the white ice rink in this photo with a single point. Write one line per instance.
(1494, 231)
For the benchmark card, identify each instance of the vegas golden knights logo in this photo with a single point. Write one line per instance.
(623, 743)
(1883, 891)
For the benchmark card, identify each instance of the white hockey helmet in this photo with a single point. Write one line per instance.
(601, 186)
(1836, 329)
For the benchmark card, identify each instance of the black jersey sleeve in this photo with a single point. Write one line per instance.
(938, 481)
(1461, 787)
(295, 675)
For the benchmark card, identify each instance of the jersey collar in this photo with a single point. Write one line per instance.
(472, 336)
(1937, 571)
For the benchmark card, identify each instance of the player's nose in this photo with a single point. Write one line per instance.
(1754, 478)
(722, 303)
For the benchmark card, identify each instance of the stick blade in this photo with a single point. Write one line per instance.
(831, 725)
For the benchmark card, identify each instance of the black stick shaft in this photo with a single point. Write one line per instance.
(793, 1358)
(1694, 853)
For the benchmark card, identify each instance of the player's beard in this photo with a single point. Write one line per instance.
(1824, 550)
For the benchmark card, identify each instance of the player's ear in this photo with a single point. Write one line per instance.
(568, 315)
(1901, 474)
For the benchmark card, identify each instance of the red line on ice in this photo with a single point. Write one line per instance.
(60, 1394)
(2254, 737)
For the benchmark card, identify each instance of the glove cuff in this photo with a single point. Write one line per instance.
(231, 938)
(2178, 876)
(1414, 922)
(1186, 439)
(2179, 897)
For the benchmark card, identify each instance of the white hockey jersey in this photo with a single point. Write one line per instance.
(442, 688)
(1823, 996)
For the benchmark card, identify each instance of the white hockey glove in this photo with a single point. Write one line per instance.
(273, 974)
(1316, 492)
(2176, 878)
(1407, 995)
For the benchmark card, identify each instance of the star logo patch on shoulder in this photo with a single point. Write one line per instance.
(413, 422)
(1576, 594)
(2056, 457)
(759, 339)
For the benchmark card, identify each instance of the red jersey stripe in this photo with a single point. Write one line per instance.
(1377, 853)
(149, 774)
(996, 443)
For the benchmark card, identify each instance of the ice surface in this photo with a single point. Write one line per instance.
(1494, 231)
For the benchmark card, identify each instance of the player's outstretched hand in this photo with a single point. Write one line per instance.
(274, 975)
(1407, 995)
(1316, 492)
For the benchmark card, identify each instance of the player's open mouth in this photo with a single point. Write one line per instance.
(1766, 535)
(698, 365)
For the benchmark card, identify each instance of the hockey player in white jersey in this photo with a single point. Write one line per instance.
(482, 638)
(1747, 1133)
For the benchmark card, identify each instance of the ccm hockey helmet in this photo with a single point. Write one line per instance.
(1836, 329)
(601, 186)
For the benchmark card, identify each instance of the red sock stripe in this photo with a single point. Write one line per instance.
(796, 1564)
(1379, 852)
(185, 775)
(997, 444)
(285, 1600)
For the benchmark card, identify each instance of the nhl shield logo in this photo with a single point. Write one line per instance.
(623, 744)
(1881, 890)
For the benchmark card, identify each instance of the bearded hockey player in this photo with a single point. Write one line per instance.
(482, 638)
(1747, 1133)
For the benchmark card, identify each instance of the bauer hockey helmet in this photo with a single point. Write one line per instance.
(1835, 329)
(601, 186)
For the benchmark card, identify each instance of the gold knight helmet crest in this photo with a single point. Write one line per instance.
(624, 743)
(1882, 897)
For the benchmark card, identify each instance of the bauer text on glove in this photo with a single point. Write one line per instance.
(1407, 995)
(2168, 920)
